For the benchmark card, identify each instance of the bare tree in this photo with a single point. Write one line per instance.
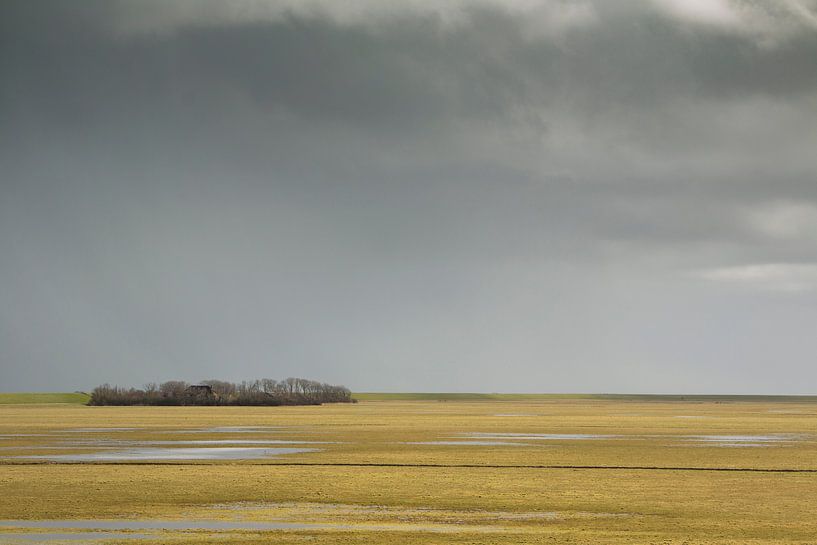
(263, 392)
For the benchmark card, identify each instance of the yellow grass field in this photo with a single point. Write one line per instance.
(537, 470)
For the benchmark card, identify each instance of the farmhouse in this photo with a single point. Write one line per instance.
(201, 393)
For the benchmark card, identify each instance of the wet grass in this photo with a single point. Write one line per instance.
(392, 471)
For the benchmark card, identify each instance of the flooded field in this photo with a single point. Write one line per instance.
(502, 472)
(141, 444)
(169, 453)
(11, 538)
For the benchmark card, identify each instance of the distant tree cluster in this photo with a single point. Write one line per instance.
(264, 392)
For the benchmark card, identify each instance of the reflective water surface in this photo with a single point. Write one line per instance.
(45, 537)
(158, 454)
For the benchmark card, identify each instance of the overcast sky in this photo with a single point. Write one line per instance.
(425, 195)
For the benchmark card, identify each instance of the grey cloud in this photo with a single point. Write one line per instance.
(448, 197)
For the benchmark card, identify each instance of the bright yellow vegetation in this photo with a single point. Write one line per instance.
(648, 480)
(41, 397)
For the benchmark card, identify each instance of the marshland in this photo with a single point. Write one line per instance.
(450, 469)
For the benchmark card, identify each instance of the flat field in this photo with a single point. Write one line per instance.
(43, 397)
(504, 470)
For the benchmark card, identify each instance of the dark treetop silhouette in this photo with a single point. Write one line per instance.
(292, 391)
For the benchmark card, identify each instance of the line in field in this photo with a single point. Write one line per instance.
(433, 466)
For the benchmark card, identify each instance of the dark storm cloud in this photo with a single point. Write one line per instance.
(449, 196)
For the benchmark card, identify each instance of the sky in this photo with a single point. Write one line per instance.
(426, 195)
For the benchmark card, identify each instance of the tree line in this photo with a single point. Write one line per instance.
(263, 392)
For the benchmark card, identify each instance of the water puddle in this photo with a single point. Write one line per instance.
(167, 454)
(99, 430)
(537, 436)
(738, 441)
(47, 447)
(470, 443)
(420, 517)
(116, 443)
(156, 525)
(100, 529)
(507, 439)
(249, 517)
(231, 429)
(46, 537)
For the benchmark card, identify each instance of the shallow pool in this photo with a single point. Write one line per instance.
(165, 454)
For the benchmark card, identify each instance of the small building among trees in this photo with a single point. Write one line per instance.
(263, 392)
(200, 394)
